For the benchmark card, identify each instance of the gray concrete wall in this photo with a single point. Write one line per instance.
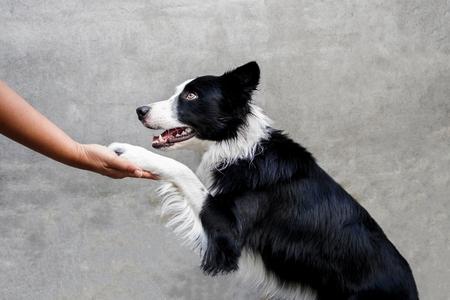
(364, 84)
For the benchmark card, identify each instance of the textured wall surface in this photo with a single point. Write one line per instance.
(364, 84)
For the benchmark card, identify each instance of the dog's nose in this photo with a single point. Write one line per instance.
(142, 111)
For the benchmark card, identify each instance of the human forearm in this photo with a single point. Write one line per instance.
(22, 123)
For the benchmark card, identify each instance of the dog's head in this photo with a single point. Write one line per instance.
(208, 108)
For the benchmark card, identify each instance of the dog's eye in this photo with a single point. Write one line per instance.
(191, 96)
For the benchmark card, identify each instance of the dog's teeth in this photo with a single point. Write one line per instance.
(160, 138)
(188, 130)
(177, 135)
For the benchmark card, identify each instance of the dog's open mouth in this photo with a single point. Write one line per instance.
(172, 136)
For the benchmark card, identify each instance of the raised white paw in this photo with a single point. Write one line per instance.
(164, 167)
(135, 154)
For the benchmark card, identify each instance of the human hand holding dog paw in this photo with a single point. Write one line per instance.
(160, 166)
(102, 160)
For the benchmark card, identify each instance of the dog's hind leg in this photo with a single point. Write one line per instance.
(183, 195)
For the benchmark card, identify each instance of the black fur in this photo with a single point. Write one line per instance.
(223, 99)
(283, 206)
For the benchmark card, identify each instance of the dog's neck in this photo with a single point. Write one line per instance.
(245, 145)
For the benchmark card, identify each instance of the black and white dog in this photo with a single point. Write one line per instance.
(260, 203)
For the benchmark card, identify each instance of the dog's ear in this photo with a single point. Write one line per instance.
(246, 76)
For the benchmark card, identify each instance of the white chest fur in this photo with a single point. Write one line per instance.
(244, 145)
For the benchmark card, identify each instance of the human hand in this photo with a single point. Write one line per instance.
(104, 161)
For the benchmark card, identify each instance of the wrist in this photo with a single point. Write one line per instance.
(81, 158)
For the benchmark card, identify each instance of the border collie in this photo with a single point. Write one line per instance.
(260, 202)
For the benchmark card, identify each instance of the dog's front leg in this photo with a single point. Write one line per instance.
(167, 169)
(183, 197)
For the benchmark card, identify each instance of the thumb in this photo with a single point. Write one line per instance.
(138, 173)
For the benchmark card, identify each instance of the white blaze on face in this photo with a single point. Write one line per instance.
(163, 114)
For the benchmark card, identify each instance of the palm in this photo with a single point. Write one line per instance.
(106, 162)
